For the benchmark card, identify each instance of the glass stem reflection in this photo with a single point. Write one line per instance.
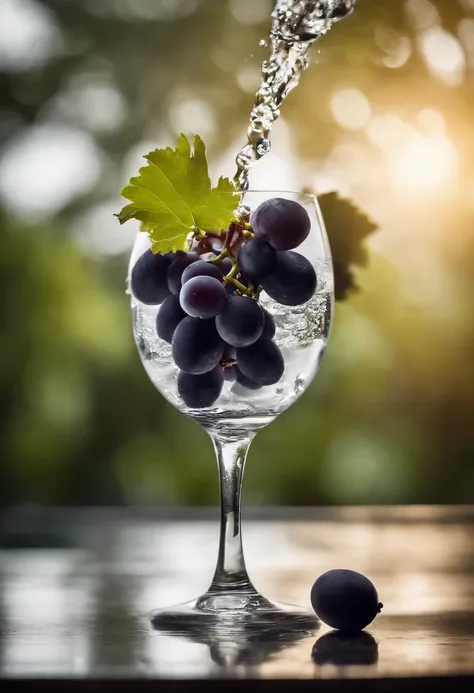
(231, 573)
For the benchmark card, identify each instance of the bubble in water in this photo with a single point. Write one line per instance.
(262, 42)
(341, 9)
(268, 68)
(256, 132)
(263, 147)
(247, 157)
(263, 115)
(264, 95)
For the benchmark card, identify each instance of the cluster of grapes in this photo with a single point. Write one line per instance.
(210, 313)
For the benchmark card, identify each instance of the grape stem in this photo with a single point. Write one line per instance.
(231, 278)
(224, 253)
(243, 289)
(233, 272)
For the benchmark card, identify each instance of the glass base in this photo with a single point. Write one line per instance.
(233, 614)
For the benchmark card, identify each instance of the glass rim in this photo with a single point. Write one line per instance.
(298, 193)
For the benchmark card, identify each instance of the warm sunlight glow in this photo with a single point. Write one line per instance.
(424, 162)
(432, 121)
(443, 55)
(350, 108)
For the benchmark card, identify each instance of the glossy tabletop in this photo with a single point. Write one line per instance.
(76, 588)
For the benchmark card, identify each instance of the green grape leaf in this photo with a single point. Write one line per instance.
(172, 196)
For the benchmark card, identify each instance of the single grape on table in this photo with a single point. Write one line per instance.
(209, 300)
(345, 599)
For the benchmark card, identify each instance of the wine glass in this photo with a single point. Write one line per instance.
(232, 422)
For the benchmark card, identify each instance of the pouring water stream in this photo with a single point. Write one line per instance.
(296, 25)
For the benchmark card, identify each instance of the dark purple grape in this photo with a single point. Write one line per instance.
(230, 288)
(283, 223)
(198, 391)
(176, 269)
(261, 362)
(148, 280)
(169, 316)
(241, 322)
(230, 353)
(345, 600)
(203, 297)
(196, 346)
(269, 325)
(246, 382)
(201, 268)
(256, 258)
(292, 281)
(225, 265)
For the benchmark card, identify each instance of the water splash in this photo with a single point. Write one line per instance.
(296, 25)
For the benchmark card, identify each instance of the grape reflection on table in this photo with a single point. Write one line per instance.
(292, 337)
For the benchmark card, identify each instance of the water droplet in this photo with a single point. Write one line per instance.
(263, 116)
(268, 68)
(247, 157)
(256, 132)
(262, 42)
(264, 95)
(299, 385)
(263, 147)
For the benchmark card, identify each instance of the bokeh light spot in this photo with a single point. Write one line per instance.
(29, 35)
(187, 112)
(98, 230)
(422, 13)
(248, 78)
(351, 108)
(424, 163)
(443, 55)
(47, 167)
(432, 121)
(250, 11)
(397, 48)
(140, 10)
(94, 103)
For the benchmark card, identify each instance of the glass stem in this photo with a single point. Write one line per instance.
(231, 573)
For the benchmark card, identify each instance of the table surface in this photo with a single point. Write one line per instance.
(76, 588)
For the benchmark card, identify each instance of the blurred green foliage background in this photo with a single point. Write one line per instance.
(383, 115)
